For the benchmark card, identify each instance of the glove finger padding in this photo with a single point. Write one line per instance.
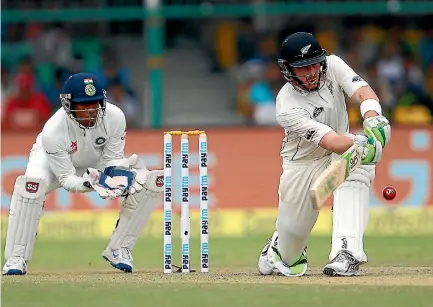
(140, 180)
(378, 127)
(141, 172)
(151, 181)
(136, 163)
(372, 152)
(370, 148)
(155, 181)
(124, 177)
(141, 176)
(136, 188)
(102, 184)
(153, 185)
(378, 152)
(360, 140)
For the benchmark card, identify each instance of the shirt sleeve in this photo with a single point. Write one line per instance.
(114, 150)
(346, 76)
(299, 122)
(61, 165)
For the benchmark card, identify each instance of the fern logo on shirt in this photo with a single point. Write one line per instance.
(310, 134)
(317, 112)
(357, 79)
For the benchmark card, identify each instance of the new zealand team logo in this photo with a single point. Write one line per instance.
(304, 50)
(317, 112)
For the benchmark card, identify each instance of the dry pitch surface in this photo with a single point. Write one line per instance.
(383, 276)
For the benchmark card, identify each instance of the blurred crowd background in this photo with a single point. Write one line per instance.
(216, 71)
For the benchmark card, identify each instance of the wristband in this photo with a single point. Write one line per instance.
(370, 105)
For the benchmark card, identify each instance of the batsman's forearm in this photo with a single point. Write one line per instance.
(364, 93)
(341, 144)
(335, 142)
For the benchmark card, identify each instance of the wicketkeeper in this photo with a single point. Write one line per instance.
(81, 149)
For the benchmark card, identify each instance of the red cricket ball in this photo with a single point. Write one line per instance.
(389, 193)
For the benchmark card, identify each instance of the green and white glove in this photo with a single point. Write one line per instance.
(378, 127)
(371, 149)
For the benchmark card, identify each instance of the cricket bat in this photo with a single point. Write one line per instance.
(333, 176)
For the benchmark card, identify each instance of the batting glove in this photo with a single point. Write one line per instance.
(378, 127)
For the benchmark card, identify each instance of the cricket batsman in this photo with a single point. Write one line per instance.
(81, 149)
(311, 109)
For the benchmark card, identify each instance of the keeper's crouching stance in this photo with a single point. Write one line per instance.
(81, 149)
(312, 110)
(135, 210)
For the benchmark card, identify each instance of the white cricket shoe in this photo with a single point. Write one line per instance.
(15, 265)
(120, 258)
(344, 264)
(266, 261)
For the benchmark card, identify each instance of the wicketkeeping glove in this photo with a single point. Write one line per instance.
(103, 184)
(151, 181)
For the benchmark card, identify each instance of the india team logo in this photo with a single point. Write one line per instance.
(90, 89)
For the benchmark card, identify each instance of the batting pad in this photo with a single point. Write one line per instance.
(132, 221)
(25, 211)
(350, 218)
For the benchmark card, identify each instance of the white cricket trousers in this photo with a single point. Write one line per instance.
(296, 216)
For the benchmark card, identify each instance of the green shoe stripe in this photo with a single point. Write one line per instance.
(299, 268)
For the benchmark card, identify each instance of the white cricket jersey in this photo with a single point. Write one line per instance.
(69, 147)
(307, 117)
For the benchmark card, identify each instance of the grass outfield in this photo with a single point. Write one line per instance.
(399, 272)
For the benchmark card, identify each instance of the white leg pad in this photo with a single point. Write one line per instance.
(135, 211)
(350, 213)
(25, 211)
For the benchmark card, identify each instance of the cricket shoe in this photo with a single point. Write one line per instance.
(266, 262)
(296, 269)
(15, 265)
(344, 264)
(120, 258)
